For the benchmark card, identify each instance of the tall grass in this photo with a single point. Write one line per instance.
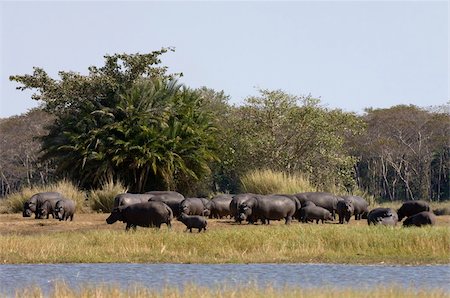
(276, 243)
(60, 289)
(102, 200)
(269, 182)
(13, 203)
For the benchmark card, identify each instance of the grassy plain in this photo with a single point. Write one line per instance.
(61, 290)
(88, 239)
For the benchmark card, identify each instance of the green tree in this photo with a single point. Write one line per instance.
(127, 119)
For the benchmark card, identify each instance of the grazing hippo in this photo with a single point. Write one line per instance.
(266, 208)
(146, 214)
(33, 204)
(360, 206)
(420, 219)
(193, 222)
(236, 203)
(125, 199)
(65, 209)
(47, 208)
(345, 209)
(311, 213)
(195, 206)
(383, 216)
(321, 199)
(410, 208)
(220, 206)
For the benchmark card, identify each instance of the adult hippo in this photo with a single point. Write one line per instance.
(420, 219)
(195, 206)
(237, 201)
(33, 204)
(298, 205)
(360, 206)
(266, 208)
(345, 210)
(321, 199)
(410, 208)
(382, 216)
(146, 214)
(65, 209)
(170, 198)
(220, 206)
(125, 199)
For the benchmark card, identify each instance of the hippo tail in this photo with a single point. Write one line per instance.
(170, 212)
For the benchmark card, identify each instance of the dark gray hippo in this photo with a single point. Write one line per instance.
(193, 222)
(65, 209)
(195, 206)
(321, 199)
(170, 198)
(33, 204)
(146, 214)
(382, 216)
(410, 208)
(345, 210)
(360, 206)
(125, 199)
(266, 208)
(420, 219)
(312, 212)
(220, 206)
(47, 208)
(236, 203)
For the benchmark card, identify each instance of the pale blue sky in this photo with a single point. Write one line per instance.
(351, 54)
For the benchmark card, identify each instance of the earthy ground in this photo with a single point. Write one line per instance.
(16, 224)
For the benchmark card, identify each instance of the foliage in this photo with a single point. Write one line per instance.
(270, 182)
(102, 200)
(128, 120)
(13, 203)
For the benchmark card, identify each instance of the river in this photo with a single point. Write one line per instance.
(156, 276)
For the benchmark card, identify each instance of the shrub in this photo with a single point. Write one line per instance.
(102, 200)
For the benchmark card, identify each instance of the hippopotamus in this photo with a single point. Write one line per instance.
(195, 206)
(321, 199)
(345, 209)
(146, 214)
(266, 208)
(236, 202)
(193, 222)
(410, 208)
(33, 204)
(47, 208)
(170, 198)
(383, 216)
(298, 205)
(420, 219)
(125, 199)
(220, 206)
(312, 212)
(65, 209)
(360, 206)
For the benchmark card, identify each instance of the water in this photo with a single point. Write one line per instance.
(157, 276)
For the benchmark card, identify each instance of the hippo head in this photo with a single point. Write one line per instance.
(244, 211)
(42, 213)
(206, 212)
(116, 214)
(59, 212)
(26, 210)
(348, 207)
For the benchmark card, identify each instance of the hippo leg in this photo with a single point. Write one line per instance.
(288, 220)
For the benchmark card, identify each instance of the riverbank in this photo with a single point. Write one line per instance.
(88, 239)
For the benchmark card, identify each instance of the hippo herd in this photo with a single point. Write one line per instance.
(49, 203)
(154, 208)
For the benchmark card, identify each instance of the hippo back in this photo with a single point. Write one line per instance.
(125, 199)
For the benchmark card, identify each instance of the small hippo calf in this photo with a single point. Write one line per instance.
(47, 208)
(311, 213)
(65, 209)
(420, 219)
(193, 221)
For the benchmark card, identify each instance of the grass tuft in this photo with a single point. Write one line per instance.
(102, 200)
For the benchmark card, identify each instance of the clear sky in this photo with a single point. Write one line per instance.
(352, 55)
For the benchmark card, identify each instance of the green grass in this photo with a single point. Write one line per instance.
(296, 243)
(249, 291)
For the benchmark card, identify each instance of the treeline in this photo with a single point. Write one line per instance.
(131, 121)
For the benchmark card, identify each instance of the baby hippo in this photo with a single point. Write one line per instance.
(193, 221)
(65, 209)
